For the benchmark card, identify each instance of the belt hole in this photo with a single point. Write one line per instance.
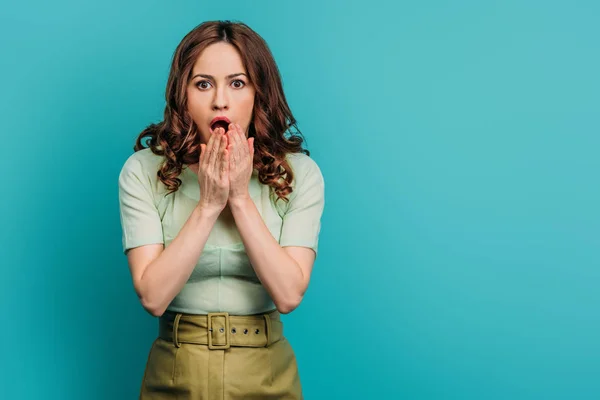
(221, 330)
(256, 331)
(233, 330)
(245, 331)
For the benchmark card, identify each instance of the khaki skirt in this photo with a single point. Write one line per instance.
(221, 356)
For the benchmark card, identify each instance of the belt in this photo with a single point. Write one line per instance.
(220, 330)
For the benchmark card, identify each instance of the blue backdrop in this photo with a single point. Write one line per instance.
(459, 144)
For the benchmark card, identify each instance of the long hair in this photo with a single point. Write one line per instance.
(177, 136)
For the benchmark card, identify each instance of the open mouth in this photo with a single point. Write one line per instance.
(219, 124)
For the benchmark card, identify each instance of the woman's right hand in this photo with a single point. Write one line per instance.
(213, 172)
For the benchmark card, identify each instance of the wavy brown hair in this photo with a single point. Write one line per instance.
(177, 136)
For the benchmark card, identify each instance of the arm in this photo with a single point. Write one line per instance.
(284, 272)
(284, 278)
(158, 275)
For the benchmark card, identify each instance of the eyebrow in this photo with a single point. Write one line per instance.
(213, 78)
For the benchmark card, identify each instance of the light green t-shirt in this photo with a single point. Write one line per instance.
(223, 279)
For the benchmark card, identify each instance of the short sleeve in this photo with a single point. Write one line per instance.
(140, 220)
(302, 220)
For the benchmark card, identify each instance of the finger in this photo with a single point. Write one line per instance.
(222, 157)
(233, 156)
(241, 142)
(231, 129)
(218, 146)
(224, 133)
(225, 164)
(239, 151)
(214, 151)
(251, 152)
(233, 146)
(201, 159)
(231, 137)
(207, 148)
(251, 148)
(238, 135)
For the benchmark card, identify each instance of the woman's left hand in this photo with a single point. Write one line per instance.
(241, 162)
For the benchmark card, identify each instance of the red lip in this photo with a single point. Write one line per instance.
(220, 118)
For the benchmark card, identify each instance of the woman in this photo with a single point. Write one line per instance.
(221, 217)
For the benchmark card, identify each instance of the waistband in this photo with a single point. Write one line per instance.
(220, 330)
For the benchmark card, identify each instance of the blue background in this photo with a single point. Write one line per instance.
(459, 144)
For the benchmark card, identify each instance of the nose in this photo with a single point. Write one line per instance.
(220, 101)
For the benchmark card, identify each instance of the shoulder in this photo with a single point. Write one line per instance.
(303, 165)
(142, 163)
(307, 172)
(139, 173)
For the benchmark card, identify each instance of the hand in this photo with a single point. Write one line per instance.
(241, 162)
(213, 172)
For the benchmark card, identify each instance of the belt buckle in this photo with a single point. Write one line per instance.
(227, 333)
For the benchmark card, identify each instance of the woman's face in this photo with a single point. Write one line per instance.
(220, 87)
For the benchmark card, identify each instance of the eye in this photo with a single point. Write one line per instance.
(240, 81)
(198, 84)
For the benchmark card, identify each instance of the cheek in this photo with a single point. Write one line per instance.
(198, 115)
(196, 111)
(248, 108)
(196, 99)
